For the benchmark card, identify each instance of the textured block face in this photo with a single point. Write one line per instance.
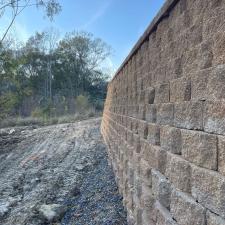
(179, 172)
(180, 90)
(150, 96)
(200, 148)
(208, 189)
(141, 112)
(213, 219)
(170, 139)
(185, 210)
(161, 188)
(165, 114)
(150, 113)
(209, 84)
(189, 115)
(163, 216)
(214, 119)
(162, 93)
(143, 129)
(153, 134)
(145, 172)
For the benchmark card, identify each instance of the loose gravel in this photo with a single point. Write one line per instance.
(62, 167)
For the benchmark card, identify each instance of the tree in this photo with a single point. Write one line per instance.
(82, 55)
(16, 7)
(51, 40)
(47, 76)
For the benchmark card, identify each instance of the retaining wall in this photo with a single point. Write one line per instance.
(164, 118)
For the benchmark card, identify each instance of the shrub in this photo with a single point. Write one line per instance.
(82, 103)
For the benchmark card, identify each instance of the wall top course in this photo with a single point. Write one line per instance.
(164, 12)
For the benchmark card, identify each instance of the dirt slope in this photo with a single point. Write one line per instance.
(57, 175)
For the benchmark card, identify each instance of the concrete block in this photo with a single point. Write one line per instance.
(214, 119)
(189, 115)
(180, 90)
(163, 216)
(178, 172)
(185, 210)
(208, 188)
(165, 114)
(161, 188)
(143, 129)
(141, 112)
(200, 148)
(145, 172)
(162, 93)
(150, 113)
(150, 96)
(170, 139)
(213, 219)
(155, 156)
(209, 84)
(153, 134)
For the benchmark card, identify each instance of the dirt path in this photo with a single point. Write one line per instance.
(57, 175)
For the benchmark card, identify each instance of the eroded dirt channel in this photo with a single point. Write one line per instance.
(57, 175)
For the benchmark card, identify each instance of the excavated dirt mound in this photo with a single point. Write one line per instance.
(57, 175)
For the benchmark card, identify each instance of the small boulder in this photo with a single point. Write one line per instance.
(4, 208)
(53, 212)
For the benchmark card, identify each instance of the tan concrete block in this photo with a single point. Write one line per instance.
(213, 219)
(141, 112)
(178, 171)
(219, 46)
(149, 96)
(163, 216)
(208, 189)
(137, 143)
(161, 188)
(199, 84)
(214, 119)
(209, 84)
(145, 172)
(200, 148)
(170, 139)
(129, 137)
(188, 115)
(180, 90)
(141, 97)
(185, 210)
(147, 206)
(165, 114)
(155, 156)
(150, 113)
(162, 93)
(143, 129)
(153, 134)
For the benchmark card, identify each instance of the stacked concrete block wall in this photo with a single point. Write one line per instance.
(164, 118)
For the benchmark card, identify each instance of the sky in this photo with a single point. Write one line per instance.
(119, 23)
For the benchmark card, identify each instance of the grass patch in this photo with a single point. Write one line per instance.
(40, 121)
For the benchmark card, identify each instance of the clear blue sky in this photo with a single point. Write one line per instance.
(118, 22)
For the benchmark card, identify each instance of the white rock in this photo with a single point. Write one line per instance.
(12, 131)
(4, 208)
(52, 212)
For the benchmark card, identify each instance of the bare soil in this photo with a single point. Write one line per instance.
(64, 165)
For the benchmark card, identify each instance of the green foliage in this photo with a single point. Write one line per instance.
(82, 102)
(37, 113)
(8, 103)
(44, 82)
